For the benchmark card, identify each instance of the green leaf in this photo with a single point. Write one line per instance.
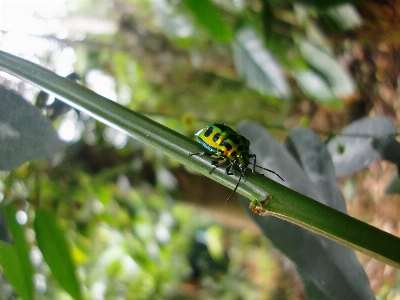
(25, 134)
(328, 270)
(388, 148)
(208, 17)
(55, 250)
(314, 85)
(173, 22)
(324, 4)
(339, 79)
(342, 17)
(258, 66)
(14, 259)
(356, 142)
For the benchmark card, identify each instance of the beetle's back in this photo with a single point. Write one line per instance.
(224, 141)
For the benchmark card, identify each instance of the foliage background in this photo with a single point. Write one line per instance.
(130, 212)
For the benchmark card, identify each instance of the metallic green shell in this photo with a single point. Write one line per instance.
(224, 141)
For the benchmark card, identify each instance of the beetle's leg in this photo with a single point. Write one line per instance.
(199, 153)
(219, 159)
(229, 169)
(237, 184)
(215, 163)
(256, 173)
(253, 170)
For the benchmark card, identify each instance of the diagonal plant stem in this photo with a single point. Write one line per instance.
(285, 203)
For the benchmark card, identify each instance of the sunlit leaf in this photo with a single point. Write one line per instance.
(343, 17)
(324, 4)
(207, 15)
(352, 149)
(14, 258)
(339, 79)
(258, 66)
(25, 134)
(313, 85)
(214, 242)
(56, 252)
(174, 23)
(328, 270)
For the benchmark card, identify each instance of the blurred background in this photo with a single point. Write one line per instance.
(139, 223)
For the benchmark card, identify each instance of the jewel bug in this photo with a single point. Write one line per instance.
(224, 144)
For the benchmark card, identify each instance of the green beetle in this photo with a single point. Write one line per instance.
(225, 144)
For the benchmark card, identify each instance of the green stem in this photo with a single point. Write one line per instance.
(294, 207)
(285, 203)
(111, 113)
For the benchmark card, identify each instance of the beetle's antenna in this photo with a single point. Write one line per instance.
(268, 171)
(234, 190)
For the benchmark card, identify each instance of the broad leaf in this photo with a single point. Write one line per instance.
(338, 78)
(313, 85)
(313, 157)
(25, 134)
(328, 270)
(55, 250)
(342, 17)
(388, 148)
(258, 66)
(172, 22)
(324, 4)
(14, 258)
(352, 149)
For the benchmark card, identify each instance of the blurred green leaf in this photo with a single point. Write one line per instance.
(25, 133)
(258, 66)
(324, 4)
(339, 79)
(314, 85)
(214, 242)
(174, 23)
(328, 270)
(342, 17)
(14, 259)
(207, 16)
(388, 148)
(55, 250)
(355, 141)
